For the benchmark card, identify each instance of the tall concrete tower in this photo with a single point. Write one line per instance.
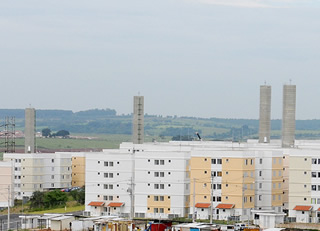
(288, 116)
(30, 130)
(138, 120)
(265, 114)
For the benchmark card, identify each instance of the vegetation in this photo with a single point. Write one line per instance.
(79, 195)
(44, 200)
(107, 122)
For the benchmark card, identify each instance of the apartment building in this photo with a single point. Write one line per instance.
(138, 181)
(180, 179)
(39, 172)
(6, 183)
(78, 169)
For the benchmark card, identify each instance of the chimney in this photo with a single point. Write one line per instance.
(30, 130)
(289, 116)
(265, 114)
(138, 120)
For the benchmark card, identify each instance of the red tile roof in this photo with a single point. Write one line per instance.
(96, 203)
(302, 208)
(115, 204)
(225, 206)
(202, 205)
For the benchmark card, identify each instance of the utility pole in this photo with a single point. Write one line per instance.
(211, 195)
(194, 200)
(8, 226)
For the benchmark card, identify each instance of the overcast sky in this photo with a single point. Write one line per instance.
(204, 58)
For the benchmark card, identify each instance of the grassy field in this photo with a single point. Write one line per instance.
(60, 210)
(95, 141)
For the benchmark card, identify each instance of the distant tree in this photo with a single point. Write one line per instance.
(37, 200)
(62, 133)
(46, 132)
(78, 195)
(55, 198)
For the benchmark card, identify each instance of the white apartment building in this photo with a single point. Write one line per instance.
(39, 172)
(138, 181)
(165, 180)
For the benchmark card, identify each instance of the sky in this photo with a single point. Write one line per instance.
(202, 58)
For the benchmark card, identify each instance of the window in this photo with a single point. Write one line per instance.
(246, 161)
(52, 185)
(161, 162)
(218, 186)
(313, 174)
(161, 186)
(52, 176)
(106, 163)
(213, 161)
(251, 161)
(111, 164)
(155, 210)
(156, 198)
(260, 173)
(260, 161)
(274, 197)
(156, 174)
(52, 160)
(105, 198)
(280, 173)
(219, 174)
(161, 198)
(280, 160)
(156, 162)
(274, 173)
(161, 174)
(314, 161)
(260, 197)
(245, 199)
(274, 160)
(219, 161)
(218, 199)
(156, 186)
(110, 198)
(161, 210)
(313, 187)
(260, 185)
(250, 199)
(279, 185)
